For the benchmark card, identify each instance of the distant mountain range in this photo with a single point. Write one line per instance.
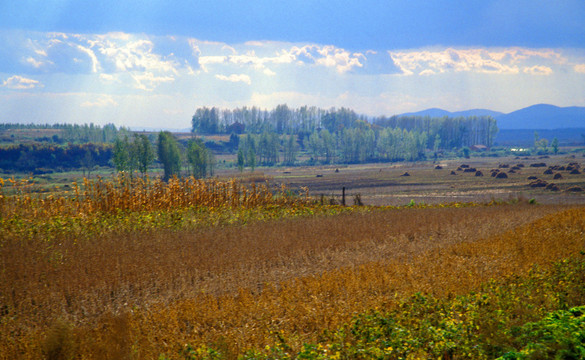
(541, 116)
(435, 112)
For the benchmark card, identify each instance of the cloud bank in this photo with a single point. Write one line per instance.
(142, 80)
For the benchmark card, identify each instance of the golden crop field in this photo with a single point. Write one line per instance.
(140, 269)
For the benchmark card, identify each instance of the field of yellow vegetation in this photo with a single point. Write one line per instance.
(141, 269)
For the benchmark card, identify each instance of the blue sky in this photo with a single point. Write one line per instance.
(153, 63)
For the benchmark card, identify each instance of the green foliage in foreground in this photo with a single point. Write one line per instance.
(538, 316)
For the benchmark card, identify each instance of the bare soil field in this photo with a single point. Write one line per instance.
(385, 183)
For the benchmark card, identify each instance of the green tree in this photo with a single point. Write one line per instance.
(143, 153)
(169, 154)
(315, 145)
(555, 145)
(328, 145)
(197, 155)
(88, 163)
(121, 156)
(252, 158)
(241, 160)
(290, 150)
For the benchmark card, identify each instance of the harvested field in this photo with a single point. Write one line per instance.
(381, 184)
(240, 276)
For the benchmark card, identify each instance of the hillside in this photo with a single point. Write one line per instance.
(537, 117)
(543, 116)
(436, 112)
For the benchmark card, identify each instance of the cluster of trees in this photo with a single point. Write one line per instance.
(348, 146)
(139, 154)
(341, 135)
(281, 120)
(47, 157)
(304, 121)
(131, 156)
(73, 133)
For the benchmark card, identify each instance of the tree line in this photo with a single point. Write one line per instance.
(136, 154)
(304, 122)
(73, 133)
(42, 158)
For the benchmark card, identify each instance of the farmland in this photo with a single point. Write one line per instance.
(472, 267)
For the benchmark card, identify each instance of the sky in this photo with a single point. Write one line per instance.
(153, 63)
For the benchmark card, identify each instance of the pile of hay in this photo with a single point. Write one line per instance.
(552, 187)
(538, 183)
(502, 175)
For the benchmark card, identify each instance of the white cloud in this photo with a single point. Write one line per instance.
(109, 78)
(451, 60)
(129, 54)
(20, 83)
(579, 68)
(205, 61)
(328, 56)
(102, 101)
(148, 81)
(269, 72)
(538, 70)
(95, 64)
(37, 64)
(235, 78)
(427, 72)
(491, 61)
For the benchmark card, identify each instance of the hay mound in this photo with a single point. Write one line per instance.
(532, 178)
(502, 175)
(438, 167)
(504, 166)
(575, 172)
(552, 187)
(575, 189)
(464, 166)
(520, 165)
(536, 165)
(548, 172)
(453, 173)
(478, 173)
(470, 170)
(557, 176)
(405, 174)
(538, 183)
